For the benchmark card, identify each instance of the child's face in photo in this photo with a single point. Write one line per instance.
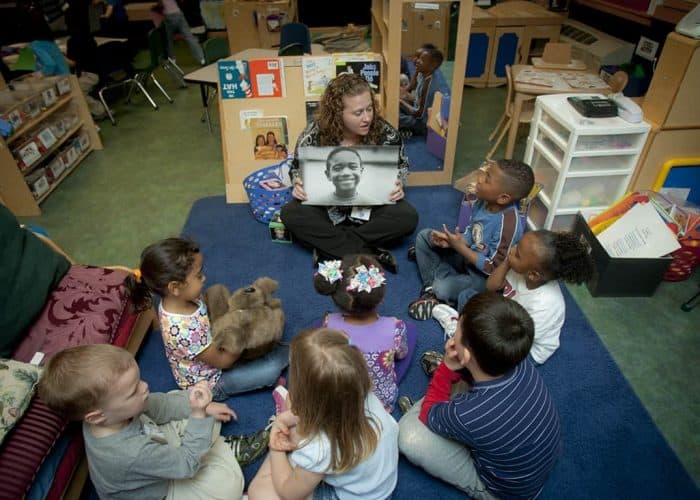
(191, 289)
(126, 397)
(344, 171)
(523, 256)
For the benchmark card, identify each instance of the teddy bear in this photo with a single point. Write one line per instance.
(248, 322)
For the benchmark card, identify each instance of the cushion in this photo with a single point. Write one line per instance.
(17, 386)
(29, 270)
(85, 308)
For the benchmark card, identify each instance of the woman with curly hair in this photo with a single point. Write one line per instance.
(348, 116)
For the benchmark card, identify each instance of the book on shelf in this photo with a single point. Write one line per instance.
(269, 137)
(267, 77)
(311, 108)
(317, 73)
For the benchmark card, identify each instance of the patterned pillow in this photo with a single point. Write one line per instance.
(84, 308)
(17, 386)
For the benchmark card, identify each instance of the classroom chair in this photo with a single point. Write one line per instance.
(144, 64)
(214, 49)
(295, 40)
(507, 117)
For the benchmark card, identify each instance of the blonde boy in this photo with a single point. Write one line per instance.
(142, 445)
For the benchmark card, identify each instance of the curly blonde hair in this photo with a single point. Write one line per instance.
(330, 113)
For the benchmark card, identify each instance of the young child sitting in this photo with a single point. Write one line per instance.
(502, 436)
(172, 268)
(357, 286)
(336, 441)
(141, 445)
(530, 276)
(413, 110)
(454, 266)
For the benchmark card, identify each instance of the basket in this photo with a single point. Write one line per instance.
(265, 202)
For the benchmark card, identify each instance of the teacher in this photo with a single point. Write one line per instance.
(347, 117)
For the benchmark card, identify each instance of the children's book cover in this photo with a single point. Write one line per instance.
(234, 79)
(267, 76)
(269, 137)
(311, 108)
(317, 72)
(367, 69)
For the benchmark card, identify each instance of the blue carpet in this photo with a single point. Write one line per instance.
(612, 449)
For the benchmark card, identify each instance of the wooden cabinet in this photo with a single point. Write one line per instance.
(54, 132)
(255, 24)
(481, 43)
(672, 105)
(387, 33)
(522, 30)
(423, 23)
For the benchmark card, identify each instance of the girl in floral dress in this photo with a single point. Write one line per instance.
(357, 285)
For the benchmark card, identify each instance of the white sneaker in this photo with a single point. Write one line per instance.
(447, 317)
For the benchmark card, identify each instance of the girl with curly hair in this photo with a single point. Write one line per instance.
(348, 115)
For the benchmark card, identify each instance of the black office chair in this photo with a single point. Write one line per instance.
(295, 40)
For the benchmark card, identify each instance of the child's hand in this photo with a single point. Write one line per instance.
(200, 397)
(280, 433)
(451, 360)
(454, 240)
(221, 412)
(439, 239)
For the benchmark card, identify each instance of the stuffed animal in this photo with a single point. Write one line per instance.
(248, 322)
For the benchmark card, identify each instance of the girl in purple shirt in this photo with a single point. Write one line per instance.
(357, 285)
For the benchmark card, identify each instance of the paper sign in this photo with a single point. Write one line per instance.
(639, 233)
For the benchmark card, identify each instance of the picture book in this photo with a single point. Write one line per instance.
(234, 79)
(267, 77)
(317, 72)
(367, 69)
(311, 108)
(269, 137)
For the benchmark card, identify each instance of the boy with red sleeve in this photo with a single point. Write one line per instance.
(501, 438)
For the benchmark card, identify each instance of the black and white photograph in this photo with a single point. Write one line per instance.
(357, 176)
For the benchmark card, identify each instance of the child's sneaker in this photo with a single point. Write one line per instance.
(429, 361)
(422, 308)
(447, 317)
(247, 449)
(279, 395)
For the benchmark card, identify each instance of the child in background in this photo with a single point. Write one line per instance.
(530, 276)
(336, 441)
(357, 286)
(454, 266)
(141, 445)
(175, 22)
(172, 268)
(502, 435)
(413, 109)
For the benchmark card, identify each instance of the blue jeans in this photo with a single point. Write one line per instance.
(453, 280)
(176, 23)
(251, 375)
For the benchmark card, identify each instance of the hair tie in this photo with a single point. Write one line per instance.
(137, 275)
(330, 269)
(366, 279)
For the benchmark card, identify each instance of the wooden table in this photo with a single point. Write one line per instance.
(529, 82)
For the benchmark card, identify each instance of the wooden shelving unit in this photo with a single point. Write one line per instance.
(14, 191)
(386, 40)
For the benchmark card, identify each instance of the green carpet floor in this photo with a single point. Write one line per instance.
(157, 163)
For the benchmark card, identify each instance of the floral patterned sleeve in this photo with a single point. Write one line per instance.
(400, 339)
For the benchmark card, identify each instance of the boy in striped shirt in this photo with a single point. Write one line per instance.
(501, 438)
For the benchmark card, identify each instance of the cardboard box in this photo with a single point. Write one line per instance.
(620, 277)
